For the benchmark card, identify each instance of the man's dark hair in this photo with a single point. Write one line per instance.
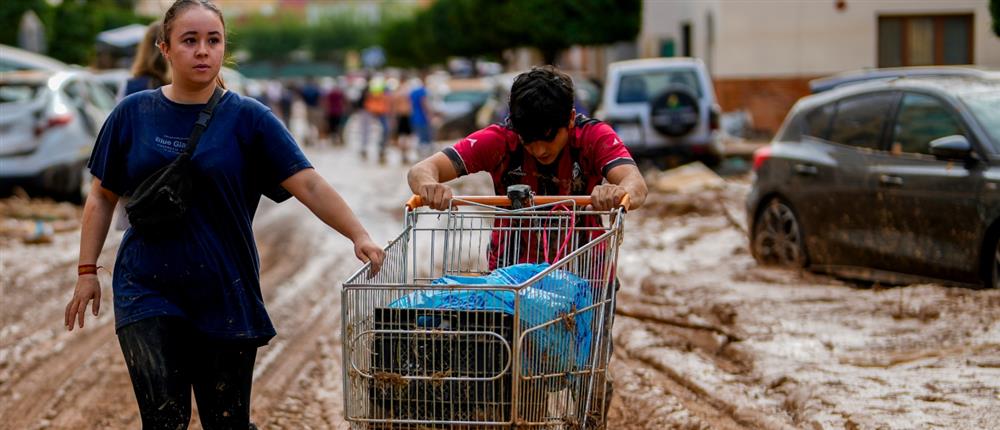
(541, 101)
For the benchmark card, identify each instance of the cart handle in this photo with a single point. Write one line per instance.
(416, 201)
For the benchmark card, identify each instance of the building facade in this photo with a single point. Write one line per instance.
(762, 53)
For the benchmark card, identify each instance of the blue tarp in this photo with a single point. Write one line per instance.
(564, 345)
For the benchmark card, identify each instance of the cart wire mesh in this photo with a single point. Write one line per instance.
(482, 367)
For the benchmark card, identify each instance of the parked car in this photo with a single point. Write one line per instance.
(12, 59)
(858, 76)
(891, 181)
(663, 106)
(48, 124)
(456, 102)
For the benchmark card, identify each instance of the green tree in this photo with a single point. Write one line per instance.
(268, 38)
(457, 27)
(336, 34)
(11, 12)
(554, 26)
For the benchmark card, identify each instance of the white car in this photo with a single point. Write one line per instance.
(12, 59)
(48, 124)
(663, 106)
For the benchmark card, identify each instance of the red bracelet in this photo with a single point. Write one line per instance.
(87, 269)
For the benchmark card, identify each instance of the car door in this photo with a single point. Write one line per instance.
(927, 207)
(856, 134)
(807, 171)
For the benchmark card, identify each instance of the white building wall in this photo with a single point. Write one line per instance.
(788, 38)
(662, 20)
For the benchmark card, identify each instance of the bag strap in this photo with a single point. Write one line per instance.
(203, 118)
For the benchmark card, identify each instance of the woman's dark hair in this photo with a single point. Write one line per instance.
(182, 5)
(541, 101)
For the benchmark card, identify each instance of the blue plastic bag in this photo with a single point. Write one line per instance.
(564, 345)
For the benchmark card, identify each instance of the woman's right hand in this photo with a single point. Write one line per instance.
(88, 288)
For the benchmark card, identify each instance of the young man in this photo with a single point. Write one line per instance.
(543, 144)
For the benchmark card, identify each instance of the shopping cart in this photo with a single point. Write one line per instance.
(431, 341)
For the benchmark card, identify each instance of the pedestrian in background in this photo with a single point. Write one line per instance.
(420, 117)
(311, 94)
(149, 69)
(189, 313)
(402, 109)
(376, 104)
(335, 106)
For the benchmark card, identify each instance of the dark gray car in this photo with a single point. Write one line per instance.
(889, 181)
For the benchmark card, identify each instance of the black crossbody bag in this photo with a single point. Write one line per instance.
(164, 197)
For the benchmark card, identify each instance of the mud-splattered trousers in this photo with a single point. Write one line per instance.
(167, 358)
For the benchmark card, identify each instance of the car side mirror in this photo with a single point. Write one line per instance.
(954, 147)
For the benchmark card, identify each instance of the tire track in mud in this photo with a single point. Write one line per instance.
(685, 404)
(79, 379)
(296, 381)
(43, 365)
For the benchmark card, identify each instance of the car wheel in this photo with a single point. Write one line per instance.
(778, 238)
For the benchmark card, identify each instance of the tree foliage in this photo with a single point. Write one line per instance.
(474, 28)
(71, 26)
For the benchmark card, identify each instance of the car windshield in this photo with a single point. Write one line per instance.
(985, 106)
(18, 92)
(643, 86)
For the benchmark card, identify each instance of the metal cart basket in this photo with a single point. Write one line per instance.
(431, 342)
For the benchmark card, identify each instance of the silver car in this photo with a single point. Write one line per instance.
(49, 121)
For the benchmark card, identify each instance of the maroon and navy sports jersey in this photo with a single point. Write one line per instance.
(592, 151)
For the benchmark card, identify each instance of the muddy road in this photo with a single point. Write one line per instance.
(704, 338)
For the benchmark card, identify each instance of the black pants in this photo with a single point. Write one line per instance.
(167, 357)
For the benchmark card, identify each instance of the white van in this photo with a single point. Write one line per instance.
(663, 106)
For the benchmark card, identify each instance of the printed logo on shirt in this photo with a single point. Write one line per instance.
(170, 143)
(517, 171)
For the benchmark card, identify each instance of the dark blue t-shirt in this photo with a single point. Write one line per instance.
(208, 270)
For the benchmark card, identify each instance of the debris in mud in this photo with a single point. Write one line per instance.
(686, 179)
(437, 378)
(390, 379)
(36, 221)
(569, 319)
(644, 315)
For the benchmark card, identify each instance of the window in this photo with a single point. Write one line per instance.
(860, 119)
(686, 39)
(921, 119)
(924, 40)
(985, 106)
(818, 122)
(640, 87)
(100, 97)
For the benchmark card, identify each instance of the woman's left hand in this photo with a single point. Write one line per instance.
(366, 250)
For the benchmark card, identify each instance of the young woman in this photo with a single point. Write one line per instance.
(188, 307)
